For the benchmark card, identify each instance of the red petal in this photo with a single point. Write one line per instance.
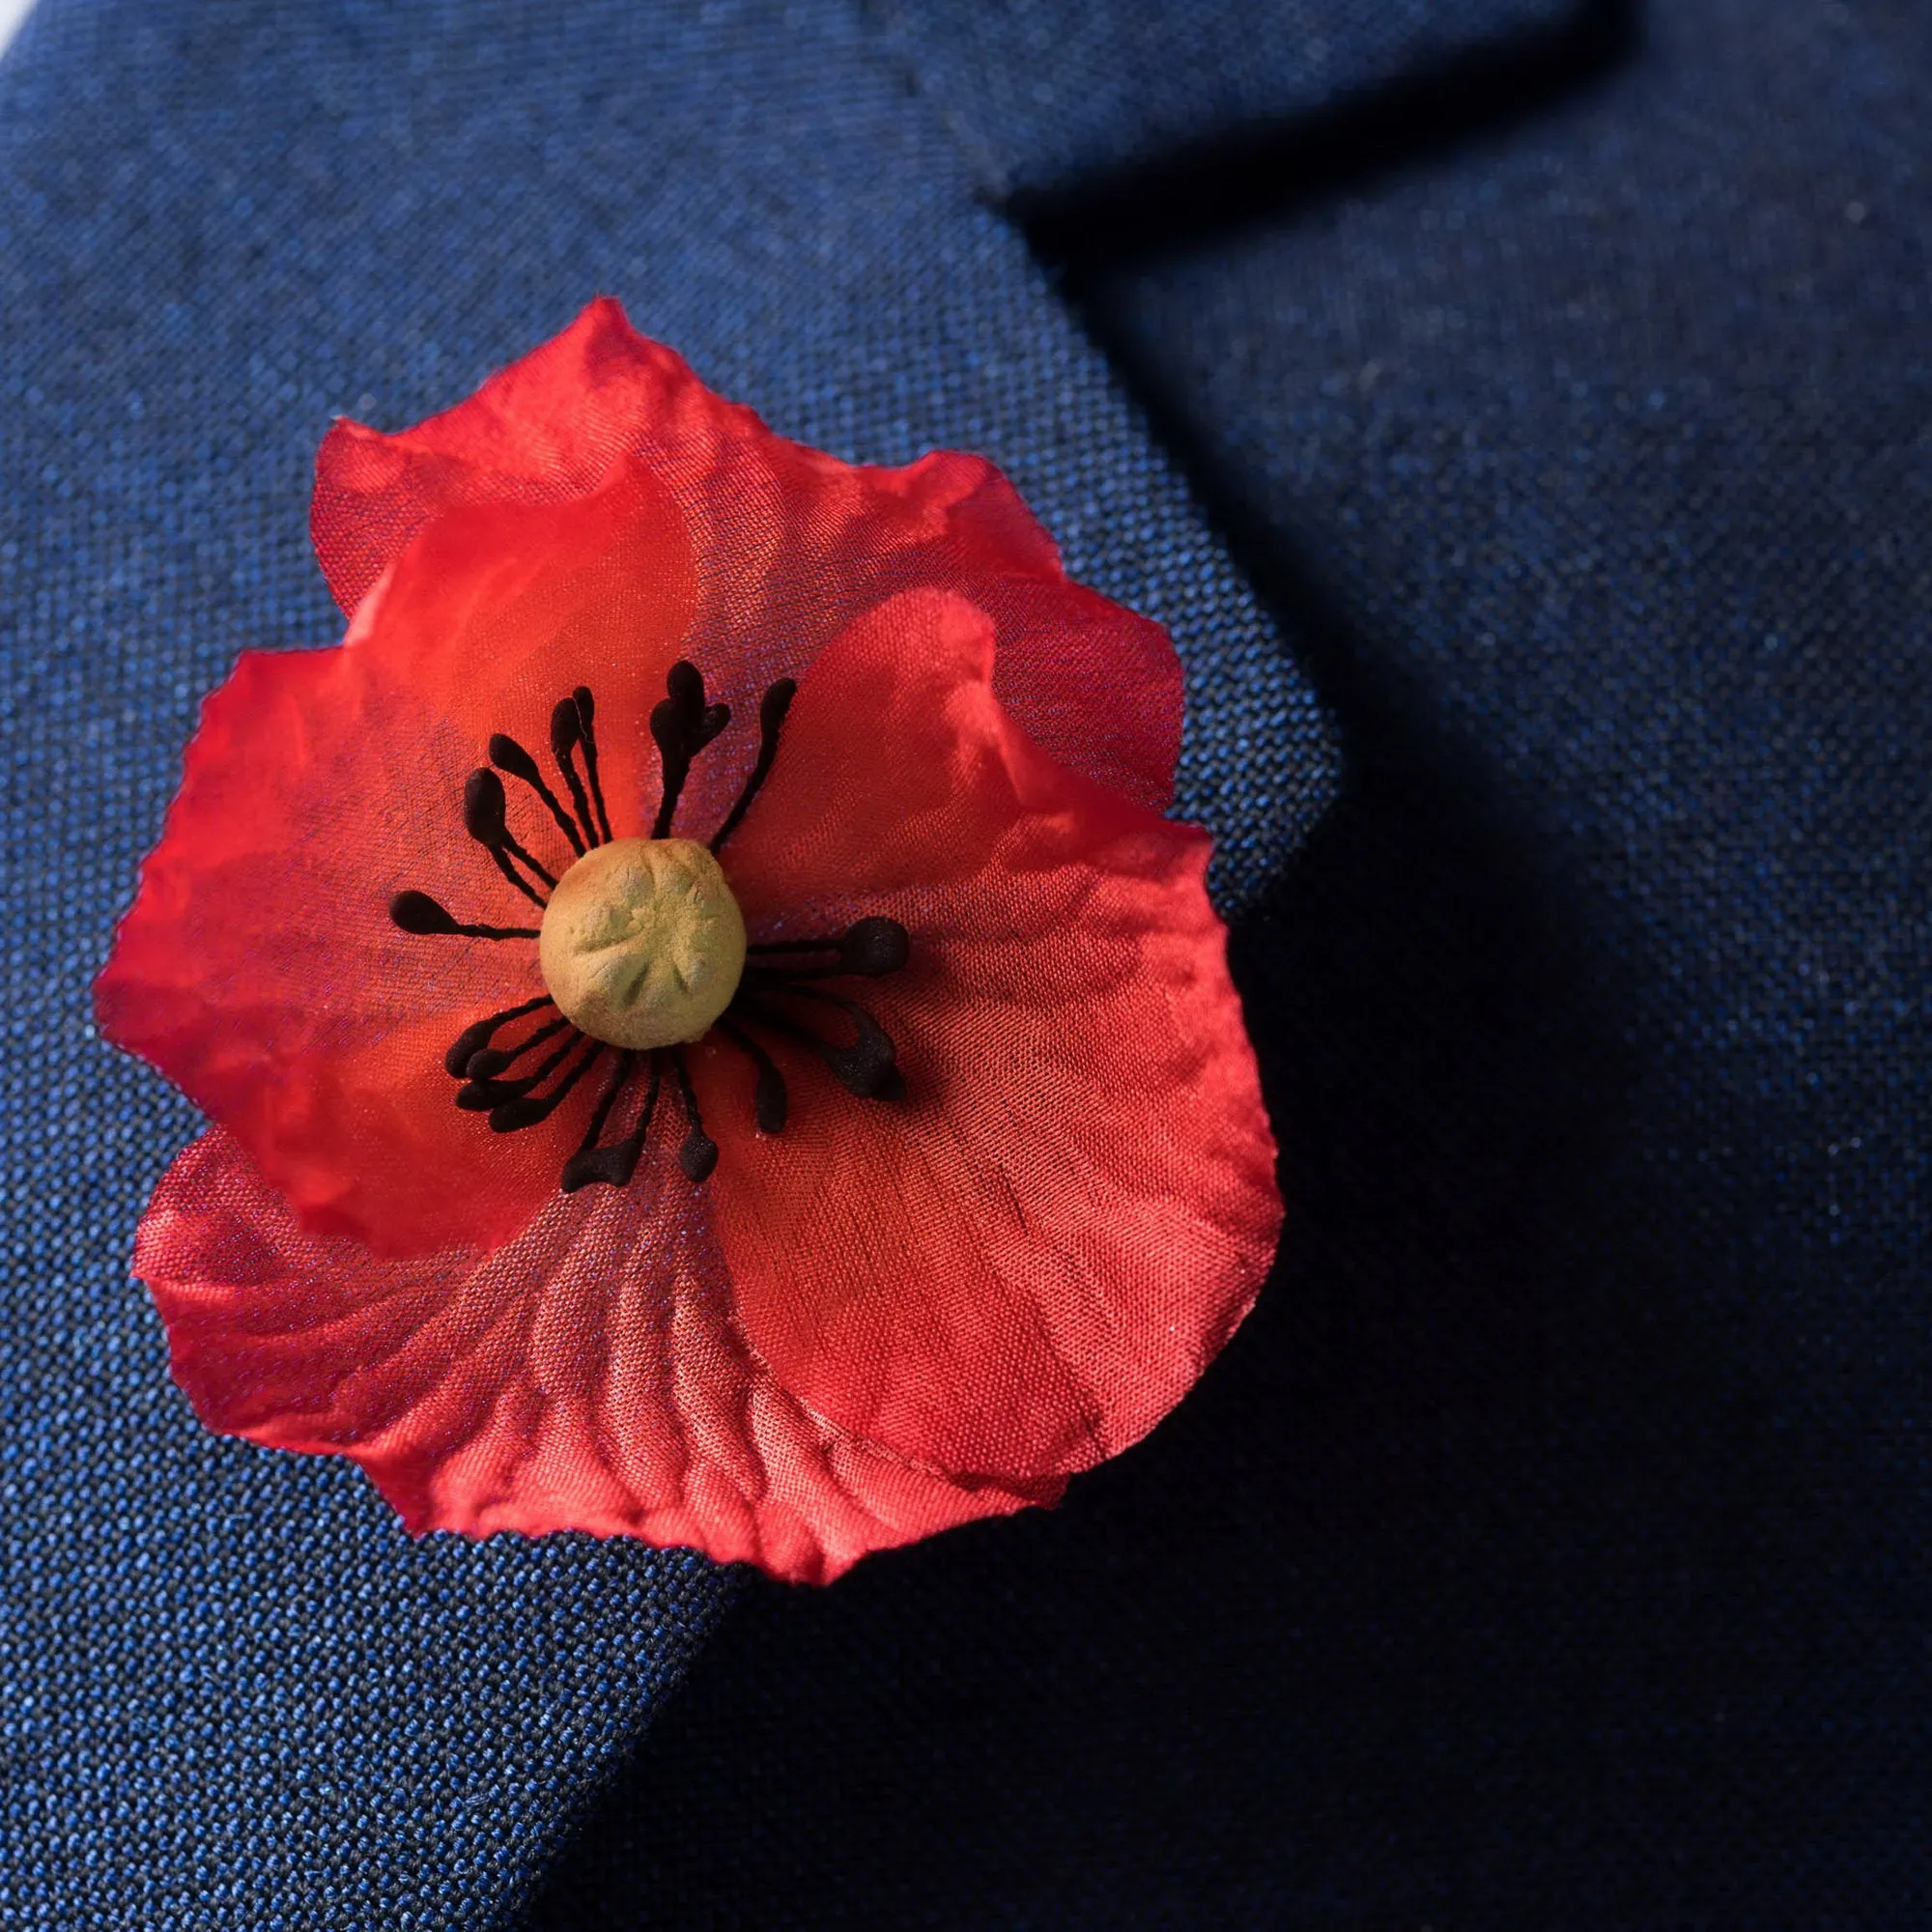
(1018, 1270)
(793, 544)
(258, 967)
(588, 1375)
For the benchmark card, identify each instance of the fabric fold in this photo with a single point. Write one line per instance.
(1045, 97)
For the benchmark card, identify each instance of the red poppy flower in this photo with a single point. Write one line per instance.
(707, 1033)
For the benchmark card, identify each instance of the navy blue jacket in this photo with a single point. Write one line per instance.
(1520, 411)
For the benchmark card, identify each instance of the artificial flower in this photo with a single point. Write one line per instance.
(707, 1033)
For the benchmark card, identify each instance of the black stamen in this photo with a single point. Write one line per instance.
(874, 946)
(620, 1073)
(516, 878)
(868, 1068)
(566, 733)
(586, 716)
(483, 807)
(507, 755)
(419, 914)
(483, 810)
(870, 949)
(870, 1065)
(772, 709)
(474, 1039)
(613, 1166)
(528, 1109)
(699, 1154)
(770, 1101)
(492, 1061)
(702, 721)
(516, 851)
(682, 724)
(481, 1093)
(668, 729)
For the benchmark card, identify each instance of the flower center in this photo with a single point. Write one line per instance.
(641, 944)
(642, 948)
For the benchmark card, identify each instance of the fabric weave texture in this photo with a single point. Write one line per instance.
(1045, 97)
(1551, 1547)
(238, 1695)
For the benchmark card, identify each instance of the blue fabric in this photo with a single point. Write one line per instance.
(1047, 96)
(1551, 1546)
(236, 1694)
(1554, 1547)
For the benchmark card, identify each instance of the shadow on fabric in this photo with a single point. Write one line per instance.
(1270, 173)
(1339, 1627)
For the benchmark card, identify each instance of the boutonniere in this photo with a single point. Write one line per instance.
(707, 1033)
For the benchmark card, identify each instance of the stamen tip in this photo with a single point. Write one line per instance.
(484, 807)
(456, 1061)
(874, 946)
(608, 1167)
(507, 755)
(697, 1156)
(685, 684)
(418, 912)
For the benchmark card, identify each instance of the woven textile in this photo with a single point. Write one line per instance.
(237, 1695)
(1551, 1547)
(1045, 97)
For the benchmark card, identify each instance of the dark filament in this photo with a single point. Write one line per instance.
(566, 733)
(683, 725)
(613, 1166)
(770, 1103)
(525, 1110)
(772, 709)
(871, 948)
(474, 1039)
(868, 1068)
(419, 914)
(485, 818)
(699, 1154)
(586, 716)
(507, 755)
(497, 1060)
(482, 1091)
